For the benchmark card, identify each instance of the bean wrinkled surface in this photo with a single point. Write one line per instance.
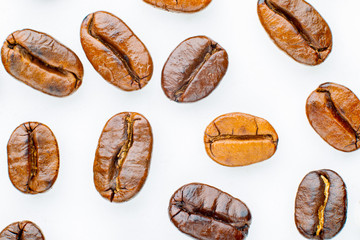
(24, 230)
(33, 158)
(207, 213)
(194, 69)
(296, 28)
(239, 139)
(334, 112)
(321, 205)
(42, 63)
(115, 52)
(123, 156)
(188, 6)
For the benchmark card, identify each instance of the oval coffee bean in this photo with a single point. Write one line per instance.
(180, 5)
(24, 230)
(123, 156)
(207, 213)
(194, 69)
(239, 139)
(296, 28)
(115, 51)
(321, 205)
(334, 113)
(41, 62)
(33, 158)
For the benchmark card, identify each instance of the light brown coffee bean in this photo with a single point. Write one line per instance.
(115, 51)
(33, 158)
(296, 28)
(239, 139)
(188, 6)
(41, 62)
(24, 230)
(122, 159)
(334, 112)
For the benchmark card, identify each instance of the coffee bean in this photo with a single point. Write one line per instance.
(239, 139)
(296, 28)
(115, 51)
(33, 158)
(194, 69)
(24, 230)
(334, 113)
(188, 6)
(207, 213)
(321, 205)
(123, 156)
(41, 62)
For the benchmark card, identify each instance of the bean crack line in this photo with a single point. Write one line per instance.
(21, 232)
(120, 55)
(179, 93)
(321, 211)
(339, 117)
(296, 24)
(15, 46)
(33, 156)
(232, 136)
(120, 156)
(182, 206)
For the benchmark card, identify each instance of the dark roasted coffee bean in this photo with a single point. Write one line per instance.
(41, 62)
(24, 230)
(321, 205)
(123, 156)
(33, 158)
(207, 213)
(239, 139)
(334, 113)
(115, 51)
(180, 5)
(194, 69)
(296, 28)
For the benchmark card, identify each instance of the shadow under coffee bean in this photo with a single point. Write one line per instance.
(207, 213)
(33, 158)
(42, 63)
(321, 205)
(24, 230)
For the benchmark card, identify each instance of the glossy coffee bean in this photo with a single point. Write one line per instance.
(194, 69)
(321, 205)
(24, 230)
(334, 113)
(41, 62)
(123, 156)
(115, 51)
(188, 6)
(239, 139)
(33, 158)
(296, 28)
(207, 213)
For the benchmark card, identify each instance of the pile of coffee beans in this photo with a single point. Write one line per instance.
(192, 72)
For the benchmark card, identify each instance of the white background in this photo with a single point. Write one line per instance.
(261, 80)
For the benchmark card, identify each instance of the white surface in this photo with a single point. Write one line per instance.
(261, 80)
